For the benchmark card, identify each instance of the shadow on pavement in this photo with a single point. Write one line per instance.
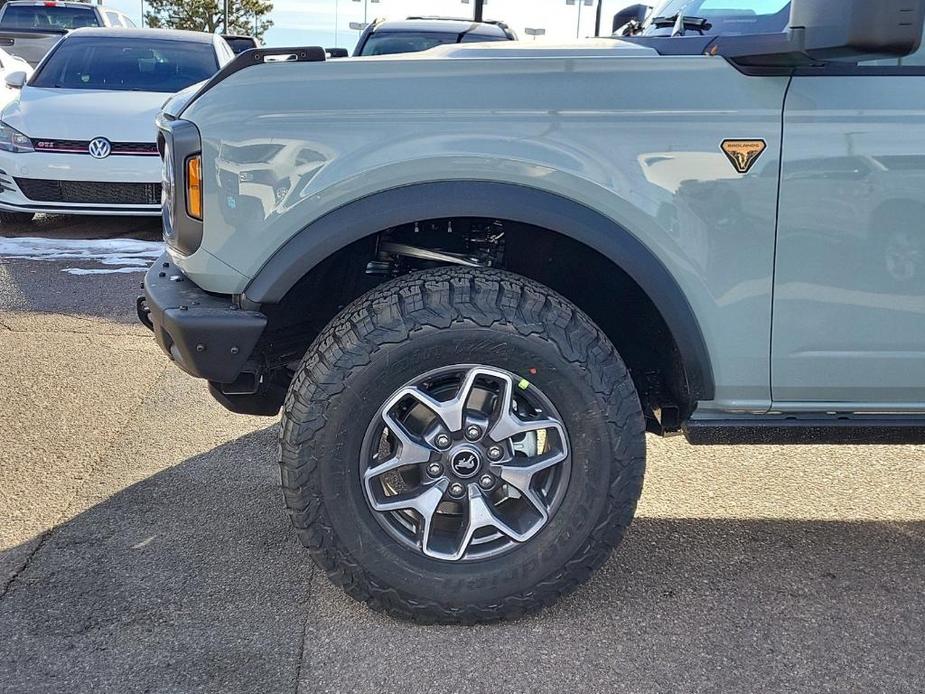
(192, 579)
(87, 227)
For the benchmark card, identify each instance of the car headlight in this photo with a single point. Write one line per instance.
(167, 187)
(11, 140)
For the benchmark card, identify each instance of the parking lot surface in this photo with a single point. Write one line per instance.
(144, 547)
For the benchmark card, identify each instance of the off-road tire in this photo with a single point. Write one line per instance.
(427, 320)
(14, 218)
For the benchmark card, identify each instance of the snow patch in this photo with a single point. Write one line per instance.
(121, 255)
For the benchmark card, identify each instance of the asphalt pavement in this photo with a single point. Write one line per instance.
(144, 546)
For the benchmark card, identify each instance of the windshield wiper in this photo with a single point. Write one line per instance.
(681, 22)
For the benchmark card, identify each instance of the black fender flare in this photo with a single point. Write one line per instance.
(504, 201)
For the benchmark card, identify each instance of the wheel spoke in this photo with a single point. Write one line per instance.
(451, 412)
(481, 516)
(410, 452)
(521, 477)
(510, 425)
(424, 502)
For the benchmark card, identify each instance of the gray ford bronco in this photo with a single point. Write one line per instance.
(473, 278)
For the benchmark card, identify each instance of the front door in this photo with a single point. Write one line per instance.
(849, 303)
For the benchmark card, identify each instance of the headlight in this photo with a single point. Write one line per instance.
(167, 186)
(11, 140)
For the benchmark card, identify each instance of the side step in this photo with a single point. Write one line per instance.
(858, 430)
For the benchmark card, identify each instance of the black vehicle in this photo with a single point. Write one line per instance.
(385, 37)
(239, 44)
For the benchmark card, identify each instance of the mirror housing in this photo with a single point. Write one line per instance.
(16, 80)
(633, 13)
(822, 31)
(846, 29)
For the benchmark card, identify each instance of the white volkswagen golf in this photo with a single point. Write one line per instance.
(80, 139)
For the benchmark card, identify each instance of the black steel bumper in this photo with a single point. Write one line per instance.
(205, 334)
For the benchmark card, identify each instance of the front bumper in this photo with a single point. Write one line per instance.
(49, 168)
(205, 334)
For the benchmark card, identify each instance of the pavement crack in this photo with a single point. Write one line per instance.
(304, 633)
(8, 585)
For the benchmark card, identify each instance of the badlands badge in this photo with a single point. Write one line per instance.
(744, 153)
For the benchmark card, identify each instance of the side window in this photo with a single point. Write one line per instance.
(113, 19)
(916, 59)
(126, 22)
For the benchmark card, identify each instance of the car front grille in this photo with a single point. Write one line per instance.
(90, 192)
(145, 149)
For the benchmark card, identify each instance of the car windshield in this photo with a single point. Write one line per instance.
(727, 17)
(48, 17)
(387, 43)
(124, 64)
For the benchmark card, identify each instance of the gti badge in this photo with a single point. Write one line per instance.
(100, 148)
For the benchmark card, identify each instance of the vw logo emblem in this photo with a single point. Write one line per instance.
(100, 148)
(466, 463)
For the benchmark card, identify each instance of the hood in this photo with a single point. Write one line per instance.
(175, 104)
(83, 114)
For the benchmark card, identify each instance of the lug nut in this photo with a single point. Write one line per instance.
(442, 441)
(495, 453)
(486, 481)
(473, 433)
(457, 490)
(435, 469)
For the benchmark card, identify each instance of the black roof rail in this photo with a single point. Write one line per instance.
(259, 56)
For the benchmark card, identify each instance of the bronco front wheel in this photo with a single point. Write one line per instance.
(461, 445)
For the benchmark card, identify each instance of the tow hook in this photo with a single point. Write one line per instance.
(144, 313)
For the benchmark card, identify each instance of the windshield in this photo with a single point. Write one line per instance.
(727, 17)
(386, 43)
(48, 17)
(124, 64)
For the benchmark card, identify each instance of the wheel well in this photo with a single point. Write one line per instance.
(610, 297)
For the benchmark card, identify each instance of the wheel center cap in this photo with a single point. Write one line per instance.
(466, 463)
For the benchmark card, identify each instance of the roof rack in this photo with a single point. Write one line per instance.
(259, 56)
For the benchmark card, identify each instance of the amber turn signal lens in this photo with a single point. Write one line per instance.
(194, 187)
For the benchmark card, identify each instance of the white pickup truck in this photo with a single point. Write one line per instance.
(29, 29)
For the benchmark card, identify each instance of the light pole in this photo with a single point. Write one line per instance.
(479, 10)
(580, 3)
(365, 8)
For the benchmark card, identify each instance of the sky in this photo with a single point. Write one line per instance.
(327, 22)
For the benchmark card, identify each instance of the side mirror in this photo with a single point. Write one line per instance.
(822, 31)
(337, 52)
(633, 13)
(16, 80)
(852, 29)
